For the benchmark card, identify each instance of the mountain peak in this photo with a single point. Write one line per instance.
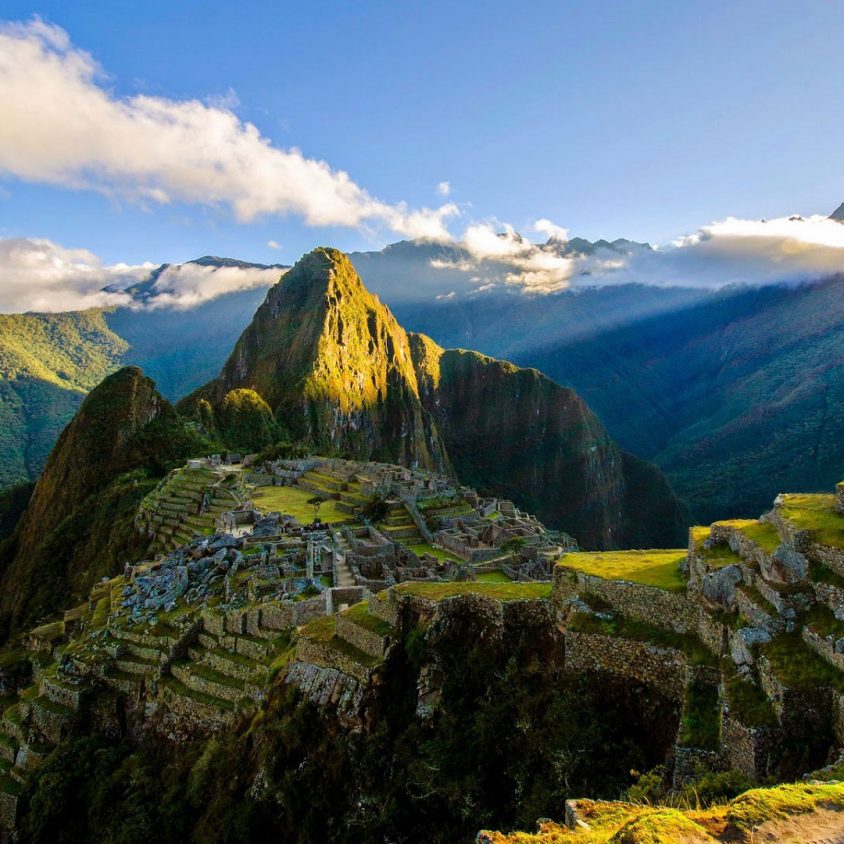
(838, 214)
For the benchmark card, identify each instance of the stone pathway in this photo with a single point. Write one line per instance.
(345, 577)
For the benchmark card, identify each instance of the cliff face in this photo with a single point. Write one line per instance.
(77, 526)
(339, 372)
(334, 365)
(516, 432)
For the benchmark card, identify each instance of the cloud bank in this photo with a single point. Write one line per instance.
(60, 125)
(39, 275)
(732, 251)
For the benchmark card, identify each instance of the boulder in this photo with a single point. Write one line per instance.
(719, 586)
(786, 565)
(744, 640)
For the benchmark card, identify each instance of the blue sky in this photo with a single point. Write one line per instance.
(643, 120)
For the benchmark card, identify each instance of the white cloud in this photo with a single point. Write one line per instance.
(273, 244)
(188, 285)
(515, 260)
(39, 275)
(735, 251)
(550, 230)
(444, 188)
(442, 296)
(60, 125)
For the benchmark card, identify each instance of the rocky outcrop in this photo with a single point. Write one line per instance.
(334, 365)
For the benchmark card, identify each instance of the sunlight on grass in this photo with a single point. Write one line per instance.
(817, 514)
(650, 568)
(293, 501)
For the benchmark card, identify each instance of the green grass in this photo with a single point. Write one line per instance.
(293, 501)
(796, 665)
(650, 568)
(718, 556)
(758, 805)
(815, 513)
(499, 591)
(637, 631)
(763, 534)
(745, 699)
(496, 576)
(421, 548)
(701, 722)
(820, 573)
(359, 614)
(824, 622)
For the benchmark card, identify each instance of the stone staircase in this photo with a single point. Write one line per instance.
(398, 525)
(336, 483)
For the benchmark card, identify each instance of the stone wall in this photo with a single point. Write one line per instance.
(824, 647)
(674, 611)
(8, 810)
(797, 710)
(826, 593)
(317, 653)
(690, 761)
(757, 614)
(364, 640)
(754, 751)
(384, 606)
(714, 635)
(662, 668)
(338, 595)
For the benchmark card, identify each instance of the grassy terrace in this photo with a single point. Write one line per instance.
(323, 631)
(293, 501)
(638, 631)
(815, 513)
(824, 622)
(717, 557)
(746, 700)
(796, 665)
(762, 534)
(651, 568)
(500, 591)
(701, 722)
(421, 548)
(359, 614)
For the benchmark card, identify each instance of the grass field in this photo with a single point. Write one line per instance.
(493, 577)
(440, 553)
(817, 514)
(650, 568)
(293, 501)
(500, 591)
(764, 534)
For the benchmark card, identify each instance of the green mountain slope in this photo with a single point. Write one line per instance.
(736, 399)
(48, 362)
(78, 523)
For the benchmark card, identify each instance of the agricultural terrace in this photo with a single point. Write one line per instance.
(660, 568)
